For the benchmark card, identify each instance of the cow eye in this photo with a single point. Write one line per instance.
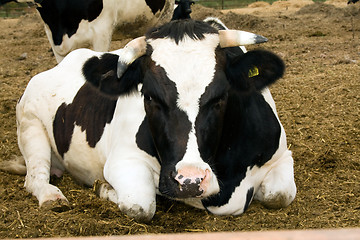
(147, 98)
(219, 102)
(154, 102)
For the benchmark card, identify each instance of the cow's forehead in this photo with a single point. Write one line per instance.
(190, 64)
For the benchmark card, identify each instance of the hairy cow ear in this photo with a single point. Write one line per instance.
(254, 70)
(101, 72)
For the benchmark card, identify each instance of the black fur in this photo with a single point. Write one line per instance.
(177, 30)
(269, 66)
(63, 16)
(155, 5)
(249, 197)
(102, 73)
(183, 10)
(89, 110)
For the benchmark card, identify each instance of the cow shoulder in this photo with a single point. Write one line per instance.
(89, 110)
(94, 103)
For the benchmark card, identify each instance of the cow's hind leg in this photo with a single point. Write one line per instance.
(278, 188)
(35, 147)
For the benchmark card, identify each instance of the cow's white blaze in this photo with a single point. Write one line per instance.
(190, 64)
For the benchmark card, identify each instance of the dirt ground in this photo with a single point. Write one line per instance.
(317, 100)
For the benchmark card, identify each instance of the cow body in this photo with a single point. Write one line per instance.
(73, 24)
(205, 131)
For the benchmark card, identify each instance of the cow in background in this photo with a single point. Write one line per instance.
(73, 24)
(182, 9)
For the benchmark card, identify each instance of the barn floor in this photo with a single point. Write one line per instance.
(318, 103)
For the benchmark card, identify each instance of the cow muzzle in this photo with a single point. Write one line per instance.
(192, 182)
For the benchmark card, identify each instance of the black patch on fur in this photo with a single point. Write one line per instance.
(144, 139)
(63, 16)
(250, 137)
(251, 131)
(249, 197)
(101, 72)
(164, 132)
(155, 5)
(89, 110)
(178, 29)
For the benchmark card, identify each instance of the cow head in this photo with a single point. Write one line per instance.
(186, 78)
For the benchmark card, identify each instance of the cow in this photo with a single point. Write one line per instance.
(182, 9)
(181, 112)
(73, 24)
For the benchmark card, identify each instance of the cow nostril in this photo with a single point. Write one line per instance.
(198, 180)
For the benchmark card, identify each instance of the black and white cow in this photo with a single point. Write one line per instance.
(181, 112)
(182, 9)
(73, 24)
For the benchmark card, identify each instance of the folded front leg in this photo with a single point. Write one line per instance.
(278, 188)
(133, 183)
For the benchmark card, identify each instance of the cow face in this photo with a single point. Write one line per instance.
(180, 82)
(186, 79)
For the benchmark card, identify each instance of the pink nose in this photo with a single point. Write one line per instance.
(193, 182)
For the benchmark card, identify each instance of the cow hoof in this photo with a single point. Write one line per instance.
(59, 205)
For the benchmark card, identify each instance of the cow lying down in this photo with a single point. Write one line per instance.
(182, 112)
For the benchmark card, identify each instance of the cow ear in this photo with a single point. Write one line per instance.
(101, 72)
(254, 70)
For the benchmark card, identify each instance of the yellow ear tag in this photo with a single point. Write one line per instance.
(254, 71)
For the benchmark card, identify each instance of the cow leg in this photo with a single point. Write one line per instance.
(133, 182)
(105, 190)
(278, 188)
(102, 37)
(35, 147)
